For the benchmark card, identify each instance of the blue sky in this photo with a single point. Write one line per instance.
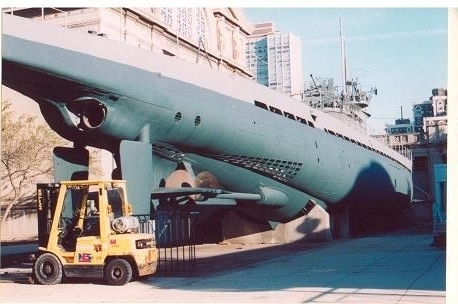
(401, 51)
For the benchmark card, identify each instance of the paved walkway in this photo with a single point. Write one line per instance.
(396, 268)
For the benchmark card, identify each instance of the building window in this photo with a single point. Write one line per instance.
(167, 15)
(188, 22)
(201, 27)
(184, 21)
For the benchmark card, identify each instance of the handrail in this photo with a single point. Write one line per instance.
(56, 9)
(428, 196)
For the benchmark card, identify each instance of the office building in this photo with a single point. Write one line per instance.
(275, 59)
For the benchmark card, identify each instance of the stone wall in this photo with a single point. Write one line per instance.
(20, 228)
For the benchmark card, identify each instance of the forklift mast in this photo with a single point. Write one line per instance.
(47, 195)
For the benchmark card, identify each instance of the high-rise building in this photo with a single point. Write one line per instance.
(421, 110)
(439, 101)
(275, 59)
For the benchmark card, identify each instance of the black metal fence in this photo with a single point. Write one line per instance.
(175, 240)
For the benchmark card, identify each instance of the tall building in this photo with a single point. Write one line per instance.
(421, 110)
(275, 59)
(439, 101)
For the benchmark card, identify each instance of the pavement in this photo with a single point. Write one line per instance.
(399, 267)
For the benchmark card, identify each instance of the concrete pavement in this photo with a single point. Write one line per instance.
(395, 268)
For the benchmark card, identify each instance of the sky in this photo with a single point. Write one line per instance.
(401, 51)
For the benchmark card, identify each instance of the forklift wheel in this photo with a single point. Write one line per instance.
(48, 269)
(118, 272)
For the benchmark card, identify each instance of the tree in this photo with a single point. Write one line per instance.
(26, 147)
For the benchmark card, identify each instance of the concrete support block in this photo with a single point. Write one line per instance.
(313, 227)
(340, 222)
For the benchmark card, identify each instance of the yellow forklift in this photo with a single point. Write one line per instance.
(86, 229)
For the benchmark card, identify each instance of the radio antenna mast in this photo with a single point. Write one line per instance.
(344, 60)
